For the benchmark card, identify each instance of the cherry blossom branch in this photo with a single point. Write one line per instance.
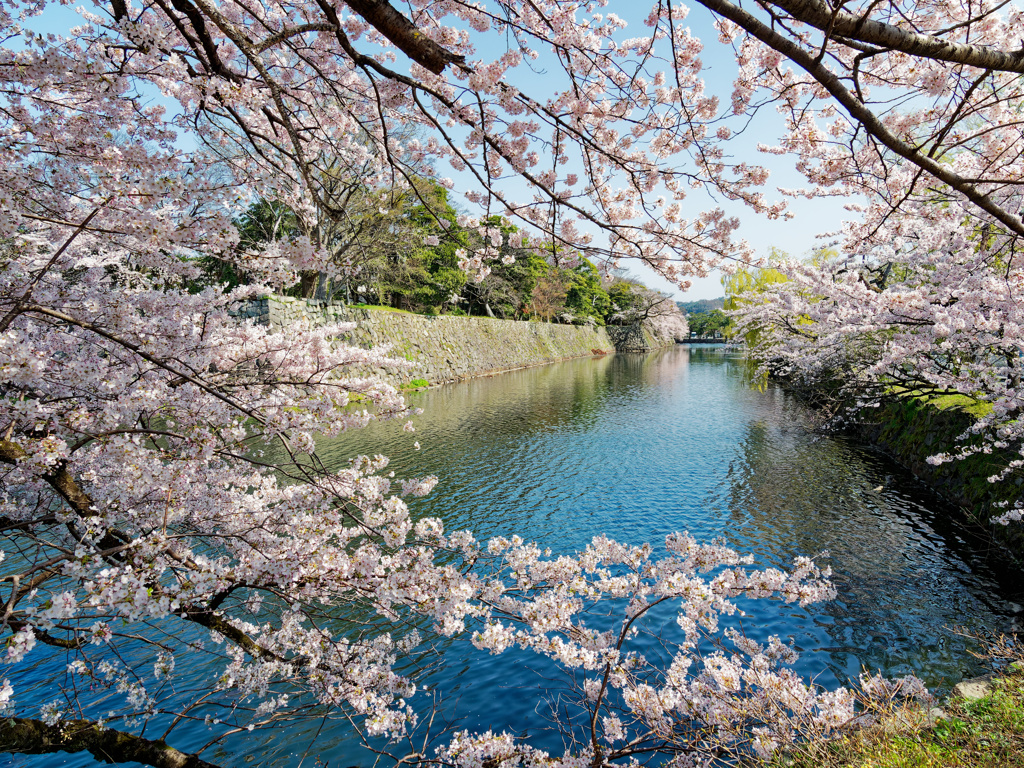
(34, 737)
(137, 349)
(839, 23)
(289, 32)
(405, 35)
(20, 302)
(861, 113)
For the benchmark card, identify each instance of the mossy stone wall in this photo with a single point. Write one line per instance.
(911, 429)
(445, 348)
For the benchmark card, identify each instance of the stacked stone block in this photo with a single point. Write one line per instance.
(445, 348)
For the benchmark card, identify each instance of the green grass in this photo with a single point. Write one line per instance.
(964, 403)
(987, 733)
(382, 308)
(969, 405)
(416, 384)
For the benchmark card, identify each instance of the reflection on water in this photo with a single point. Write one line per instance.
(638, 446)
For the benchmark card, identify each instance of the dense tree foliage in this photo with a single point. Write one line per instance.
(711, 323)
(701, 305)
(422, 272)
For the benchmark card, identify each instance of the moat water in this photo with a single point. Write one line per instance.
(636, 447)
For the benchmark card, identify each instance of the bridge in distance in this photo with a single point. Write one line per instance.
(704, 340)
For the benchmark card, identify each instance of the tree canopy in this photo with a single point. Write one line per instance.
(140, 515)
(708, 323)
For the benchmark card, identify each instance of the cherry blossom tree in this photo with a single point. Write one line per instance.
(161, 498)
(637, 309)
(912, 110)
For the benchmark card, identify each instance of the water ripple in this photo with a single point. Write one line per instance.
(638, 446)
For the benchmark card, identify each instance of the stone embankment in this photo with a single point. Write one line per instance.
(639, 337)
(910, 429)
(445, 348)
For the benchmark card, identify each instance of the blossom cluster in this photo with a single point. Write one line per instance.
(919, 294)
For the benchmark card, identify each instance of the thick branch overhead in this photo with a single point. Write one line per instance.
(404, 34)
(890, 37)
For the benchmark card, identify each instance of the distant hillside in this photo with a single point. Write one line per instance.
(703, 305)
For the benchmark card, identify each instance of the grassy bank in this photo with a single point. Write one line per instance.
(984, 733)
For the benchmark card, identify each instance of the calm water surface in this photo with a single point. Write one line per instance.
(639, 446)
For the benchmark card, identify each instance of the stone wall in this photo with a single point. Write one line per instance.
(639, 337)
(445, 348)
(910, 429)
